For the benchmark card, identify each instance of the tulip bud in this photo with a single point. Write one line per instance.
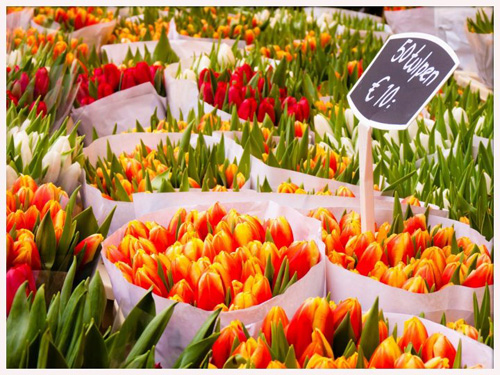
(352, 306)
(302, 255)
(42, 82)
(408, 360)
(372, 254)
(210, 291)
(181, 291)
(394, 276)
(254, 351)
(15, 277)
(399, 248)
(414, 333)
(280, 231)
(480, 277)
(91, 243)
(221, 349)
(438, 345)
(416, 284)
(275, 316)
(225, 56)
(385, 354)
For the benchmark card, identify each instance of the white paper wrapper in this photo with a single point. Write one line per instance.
(45, 30)
(412, 20)
(122, 108)
(482, 47)
(465, 79)
(455, 301)
(187, 319)
(183, 48)
(120, 143)
(317, 11)
(20, 19)
(95, 35)
(384, 35)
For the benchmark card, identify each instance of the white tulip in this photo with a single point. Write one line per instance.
(346, 142)
(322, 125)
(61, 145)
(424, 140)
(309, 19)
(412, 129)
(13, 131)
(225, 56)
(14, 58)
(202, 63)
(333, 140)
(480, 124)
(263, 15)
(52, 161)
(26, 154)
(459, 114)
(25, 124)
(11, 176)
(349, 119)
(34, 137)
(189, 75)
(272, 21)
(419, 188)
(20, 137)
(70, 179)
(488, 181)
(392, 135)
(446, 202)
(429, 124)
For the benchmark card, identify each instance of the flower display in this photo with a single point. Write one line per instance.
(214, 259)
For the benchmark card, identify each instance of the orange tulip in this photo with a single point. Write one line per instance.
(385, 354)
(182, 291)
(259, 287)
(317, 361)
(196, 269)
(45, 193)
(24, 180)
(443, 236)
(399, 248)
(437, 363)
(464, 328)
(221, 349)
(273, 317)
(438, 345)
(327, 219)
(416, 284)
(302, 255)
(378, 270)
(223, 241)
(179, 216)
(10, 251)
(215, 214)
(146, 277)
(313, 313)
(414, 223)
(90, 244)
(319, 345)
(26, 251)
(255, 351)
(357, 244)
(414, 333)
(126, 270)
(344, 191)
(193, 249)
(481, 276)
(276, 365)
(342, 363)
(24, 195)
(394, 276)
(243, 300)
(159, 237)
(280, 231)
(210, 291)
(114, 255)
(137, 229)
(408, 360)
(372, 254)
(422, 239)
(436, 255)
(349, 229)
(180, 267)
(230, 264)
(450, 269)
(341, 259)
(352, 306)
(429, 272)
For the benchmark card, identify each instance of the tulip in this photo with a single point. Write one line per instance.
(437, 363)
(24, 180)
(357, 244)
(394, 276)
(385, 354)
(243, 300)
(322, 126)
(276, 365)
(415, 333)
(302, 255)
(414, 223)
(313, 313)
(52, 161)
(247, 109)
(46, 193)
(112, 74)
(438, 345)
(210, 291)
(259, 287)
(15, 277)
(318, 361)
(429, 272)
(142, 74)
(26, 252)
(442, 237)
(449, 271)
(90, 244)
(266, 107)
(481, 276)
(235, 96)
(408, 360)
(11, 176)
(254, 351)
(280, 231)
(146, 277)
(221, 349)
(372, 254)
(225, 56)
(351, 65)
(303, 104)
(416, 284)
(128, 80)
(399, 248)
(436, 255)
(275, 316)
(182, 291)
(42, 82)
(10, 251)
(220, 94)
(352, 306)
(159, 237)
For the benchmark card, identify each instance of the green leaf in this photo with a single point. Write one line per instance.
(17, 327)
(96, 301)
(343, 335)
(370, 334)
(95, 353)
(46, 242)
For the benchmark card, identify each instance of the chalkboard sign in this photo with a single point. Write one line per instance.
(406, 73)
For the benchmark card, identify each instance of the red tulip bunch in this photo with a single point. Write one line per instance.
(252, 93)
(109, 79)
(214, 258)
(18, 87)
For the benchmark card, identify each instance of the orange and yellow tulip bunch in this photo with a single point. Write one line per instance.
(325, 335)
(212, 22)
(71, 18)
(214, 259)
(168, 167)
(150, 27)
(289, 187)
(43, 234)
(407, 254)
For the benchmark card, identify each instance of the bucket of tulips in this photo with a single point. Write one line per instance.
(242, 258)
(110, 96)
(480, 36)
(119, 166)
(415, 263)
(324, 334)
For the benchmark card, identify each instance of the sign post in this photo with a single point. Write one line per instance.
(404, 76)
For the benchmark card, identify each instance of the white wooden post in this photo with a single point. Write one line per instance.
(366, 177)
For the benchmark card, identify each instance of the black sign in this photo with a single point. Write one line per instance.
(406, 73)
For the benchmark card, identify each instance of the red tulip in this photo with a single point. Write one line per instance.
(352, 306)
(142, 74)
(234, 96)
(128, 80)
(16, 276)
(220, 94)
(247, 109)
(208, 95)
(280, 231)
(42, 82)
(266, 107)
(304, 107)
(112, 74)
(103, 90)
